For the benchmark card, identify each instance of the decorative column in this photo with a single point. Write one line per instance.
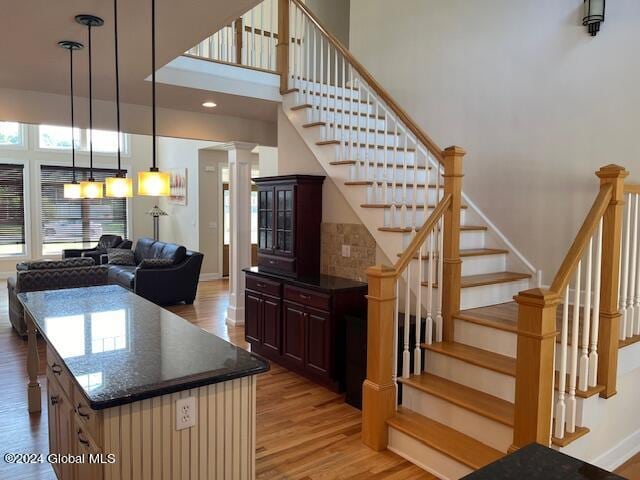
(239, 226)
(282, 48)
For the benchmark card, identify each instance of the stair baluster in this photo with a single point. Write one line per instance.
(633, 294)
(561, 405)
(417, 353)
(583, 368)
(624, 279)
(593, 348)
(406, 355)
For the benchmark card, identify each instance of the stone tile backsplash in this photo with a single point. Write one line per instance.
(362, 245)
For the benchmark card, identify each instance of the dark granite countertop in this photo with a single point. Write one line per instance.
(535, 462)
(121, 348)
(323, 283)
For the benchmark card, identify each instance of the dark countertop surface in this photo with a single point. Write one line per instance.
(121, 348)
(535, 462)
(324, 283)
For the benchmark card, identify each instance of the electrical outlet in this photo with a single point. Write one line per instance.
(346, 250)
(185, 413)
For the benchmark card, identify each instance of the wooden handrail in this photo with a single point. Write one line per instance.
(631, 188)
(421, 234)
(581, 241)
(377, 88)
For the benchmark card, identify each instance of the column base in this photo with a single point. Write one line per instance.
(378, 405)
(235, 316)
(34, 398)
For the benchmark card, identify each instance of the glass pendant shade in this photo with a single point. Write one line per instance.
(72, 190)
(119, 187)
(155, 184)
(91, 189)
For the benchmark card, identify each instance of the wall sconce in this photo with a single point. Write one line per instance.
(593, 15)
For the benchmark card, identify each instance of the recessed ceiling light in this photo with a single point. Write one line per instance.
(209, 104)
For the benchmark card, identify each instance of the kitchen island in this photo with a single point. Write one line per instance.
(137, 392)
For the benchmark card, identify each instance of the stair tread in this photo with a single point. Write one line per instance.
(475, 356)
(589, 392)
(470, 252)
(347, 127)
(337, 110)
(570, 437)
(464, 228)
(364, 145)
(468, 398)
(446, 440)
(409, 206)
(389, 184)
(377, 164)
(483, 279)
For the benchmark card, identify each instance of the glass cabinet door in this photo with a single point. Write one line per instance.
(265, 220)
(284, 220)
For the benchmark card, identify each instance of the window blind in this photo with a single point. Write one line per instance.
(11, 204)
(78, 221)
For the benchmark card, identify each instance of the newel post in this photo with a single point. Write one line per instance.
(282, 50)
(609, 313)
(451, 262)
(534, 367)
(379, 390)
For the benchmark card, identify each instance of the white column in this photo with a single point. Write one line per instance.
(239, 226)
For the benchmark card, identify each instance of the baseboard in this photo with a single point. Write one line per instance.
(207, 277)
(623, 451)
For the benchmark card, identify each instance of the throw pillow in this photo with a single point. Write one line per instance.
(119, 256)
(156, 263)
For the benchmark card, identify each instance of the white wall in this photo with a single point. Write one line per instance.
(32, 157)
(537, 103)
(333, 15)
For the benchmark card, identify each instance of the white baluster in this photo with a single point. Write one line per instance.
(343, 102)
(440, 230)
(633, 295)
(396, 326)
(335, 90)
(394, 188)
(593, 351)
(406, 169)
(385, 163)
(430, 280)
(636, 299)
(417, 353)
(314, 64)
(583, 376)
(625, 271)
(561, 407)
(263, 37)
(573, 372)
(406, 354)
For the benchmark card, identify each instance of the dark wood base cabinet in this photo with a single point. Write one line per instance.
(300, 323)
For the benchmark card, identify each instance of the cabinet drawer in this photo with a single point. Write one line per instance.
(307, 297)
(91, 420)
(261, 285)
(59, 371)
(85, 445)
(279, 264)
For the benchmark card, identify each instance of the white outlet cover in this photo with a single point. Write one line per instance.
(346, 250)
(185, 413)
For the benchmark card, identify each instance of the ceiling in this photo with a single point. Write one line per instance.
(31, 59)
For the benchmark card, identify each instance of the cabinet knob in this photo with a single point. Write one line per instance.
(272, 262)
(79, 411)
(81, 439)
(55, 368)
(54, 399)
(260, 285)
(305, 297)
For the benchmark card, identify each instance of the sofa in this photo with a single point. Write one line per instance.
(163, 273)
(50, 275)
(97, 253)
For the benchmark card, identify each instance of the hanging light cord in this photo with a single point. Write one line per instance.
(153, 79)
(115, 23)
(91, 179)
(73, 140)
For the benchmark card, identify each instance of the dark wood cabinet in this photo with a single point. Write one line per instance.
(300, 323)
(289, 218)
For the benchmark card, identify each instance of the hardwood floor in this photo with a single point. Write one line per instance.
(304, 432)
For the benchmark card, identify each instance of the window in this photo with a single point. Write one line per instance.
(68, 223)
(11, 134)
(12, 237)
(59, 138)
(53, 137)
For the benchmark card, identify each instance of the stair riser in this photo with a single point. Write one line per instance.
(359, 136)
(384, 193)
(480, 378)
(316, 88)
(355, 106)
(475, 265)
(427, 458)
(359, 172)
(472, 239)
(486, 295)
(406, 217)
(483, 429)
(346, 152)
(486, 338)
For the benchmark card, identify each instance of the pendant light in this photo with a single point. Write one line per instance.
(72, 190)
(119, 186)
(154, 182)
(90, 188)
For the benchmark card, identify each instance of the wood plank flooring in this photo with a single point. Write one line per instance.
(304, 431)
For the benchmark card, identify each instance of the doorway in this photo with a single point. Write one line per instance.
(226, 203)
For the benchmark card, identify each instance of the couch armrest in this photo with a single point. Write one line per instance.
(169, 285)
(53, 279)
(75, 252)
